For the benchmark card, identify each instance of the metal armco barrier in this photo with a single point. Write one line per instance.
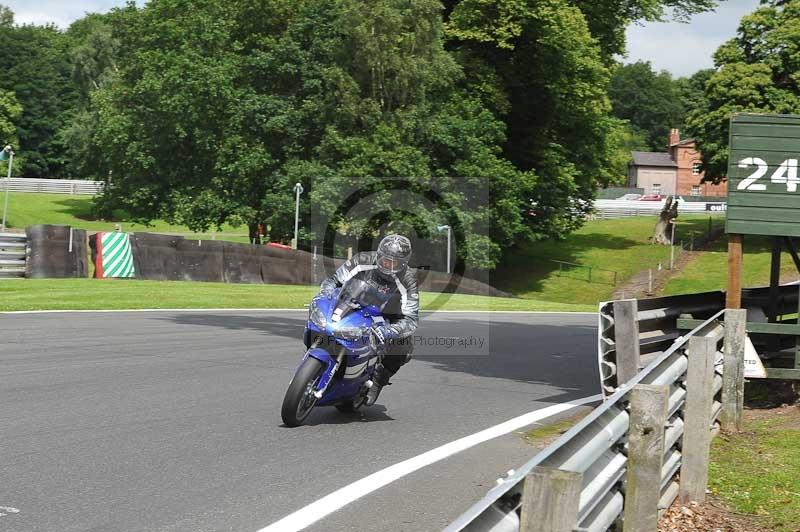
(51, 186)
(615, 469)
(644, 328)
(12, 255)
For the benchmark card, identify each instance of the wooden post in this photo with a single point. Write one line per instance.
(649, 406)
(626, 339)
(734, 296)
(551, 500)
(797, 339)
(697, 418)
(733, 370)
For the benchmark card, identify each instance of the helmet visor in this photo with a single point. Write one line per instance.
(390, 265)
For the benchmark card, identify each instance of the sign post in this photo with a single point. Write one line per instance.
(7, 153)
(298, 189)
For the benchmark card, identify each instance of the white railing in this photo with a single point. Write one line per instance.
(624, 208)
(51, 186)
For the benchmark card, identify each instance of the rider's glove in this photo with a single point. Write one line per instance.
(383, 334)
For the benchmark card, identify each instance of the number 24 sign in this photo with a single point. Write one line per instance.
(785, 174)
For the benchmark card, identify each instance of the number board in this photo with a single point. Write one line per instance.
(763, 183)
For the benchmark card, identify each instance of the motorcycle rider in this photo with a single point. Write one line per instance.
(387, 271)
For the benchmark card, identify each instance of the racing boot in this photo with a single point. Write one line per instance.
(379, 379)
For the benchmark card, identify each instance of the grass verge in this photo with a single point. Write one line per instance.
(26, 209)
(709, 271)
(93, 294)
(620, 246)
(756, 472)
(543, 435)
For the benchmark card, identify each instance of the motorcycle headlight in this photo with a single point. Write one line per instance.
(316, 316)
(351, 333)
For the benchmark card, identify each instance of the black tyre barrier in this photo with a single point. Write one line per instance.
(56, 252)
(172, 258)
(200, 260)
(241, 263)
(155, 257)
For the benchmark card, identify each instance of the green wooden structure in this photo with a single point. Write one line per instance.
(764, 199)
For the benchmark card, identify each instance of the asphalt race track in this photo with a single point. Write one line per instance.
(170, 421)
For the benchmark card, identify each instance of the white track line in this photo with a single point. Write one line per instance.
(342, 497)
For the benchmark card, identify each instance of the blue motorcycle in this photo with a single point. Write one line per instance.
(342, 353)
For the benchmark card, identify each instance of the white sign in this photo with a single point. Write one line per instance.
(753, 368)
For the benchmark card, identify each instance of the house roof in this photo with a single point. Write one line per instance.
(650, 158)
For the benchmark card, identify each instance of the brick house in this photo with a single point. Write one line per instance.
(675, 172)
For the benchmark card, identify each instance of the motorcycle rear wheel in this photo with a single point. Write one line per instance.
(299, 399)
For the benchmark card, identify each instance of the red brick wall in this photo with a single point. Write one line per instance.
(686, 155)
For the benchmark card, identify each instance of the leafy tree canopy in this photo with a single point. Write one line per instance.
(757, 71)
(650, 101)
(37, 70)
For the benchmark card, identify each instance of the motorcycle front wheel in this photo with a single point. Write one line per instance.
(299, 399)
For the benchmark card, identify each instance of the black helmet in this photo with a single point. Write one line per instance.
(394, 252)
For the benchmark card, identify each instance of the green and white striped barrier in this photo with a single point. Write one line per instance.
(114, 256)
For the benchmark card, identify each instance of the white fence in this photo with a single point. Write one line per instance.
(51, 186)
(624, 208)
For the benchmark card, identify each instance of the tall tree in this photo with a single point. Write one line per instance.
(535, 64)
(649, 100)
(93, 52)
(219, 108)
(756, 71)
(37, 69)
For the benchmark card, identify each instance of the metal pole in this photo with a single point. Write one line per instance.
(448, 248)
(298, 189)
(8, 181)
(672, 249)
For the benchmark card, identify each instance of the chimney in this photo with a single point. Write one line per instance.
(674, 137)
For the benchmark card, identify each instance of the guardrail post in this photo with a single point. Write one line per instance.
(649, 406)
(697, 418)
(626, 339)
(733, 370)
(551, 500)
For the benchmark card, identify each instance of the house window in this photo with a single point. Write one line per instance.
(695, 190)
(656, 188)
(696, 168)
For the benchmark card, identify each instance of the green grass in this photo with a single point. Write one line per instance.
(546, 434)
(93, 294)
(26, 209)
(620, 245)
(756, 472)
(709, 271)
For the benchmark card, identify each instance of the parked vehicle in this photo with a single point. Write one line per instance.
(630, 197)
(342, 353)
(651, 197)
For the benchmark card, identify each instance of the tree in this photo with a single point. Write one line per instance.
(622, 140)
(536, 65)
(217, 110)
(650, 101)
(755, 72)
(6, 16)
(93, 52)
(37, 70)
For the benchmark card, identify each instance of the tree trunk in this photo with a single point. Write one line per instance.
(254, 235)
(663, 231)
